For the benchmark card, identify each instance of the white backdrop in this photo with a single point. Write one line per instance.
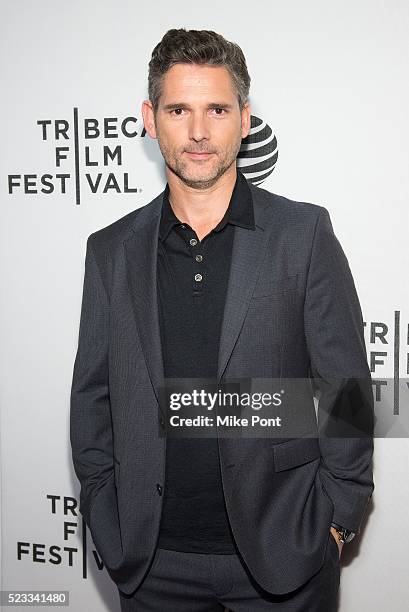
(331, 80)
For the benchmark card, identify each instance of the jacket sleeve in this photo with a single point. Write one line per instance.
(341, 378)
(90, 411)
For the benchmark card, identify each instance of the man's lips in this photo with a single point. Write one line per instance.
(203, 155)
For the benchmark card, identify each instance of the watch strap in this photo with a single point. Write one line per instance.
(346, 535)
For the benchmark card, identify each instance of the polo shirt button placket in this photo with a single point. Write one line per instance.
(198, 277)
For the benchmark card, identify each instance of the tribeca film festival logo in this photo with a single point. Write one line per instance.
(88, 156)
(388, 349)
(66, 553)
(92, 149)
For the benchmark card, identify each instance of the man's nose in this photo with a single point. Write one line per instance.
(199, 127)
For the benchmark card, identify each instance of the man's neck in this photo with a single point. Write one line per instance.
(202, 209)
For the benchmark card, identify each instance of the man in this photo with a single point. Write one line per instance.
(217, 279)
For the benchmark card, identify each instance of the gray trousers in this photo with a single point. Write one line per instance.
(195, 582)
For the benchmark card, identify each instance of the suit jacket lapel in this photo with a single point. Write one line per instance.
(141, 257)
(248, 250)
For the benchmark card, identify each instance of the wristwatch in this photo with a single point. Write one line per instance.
(344, 535)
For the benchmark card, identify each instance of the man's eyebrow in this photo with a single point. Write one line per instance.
(173, 106)
(184, 105)
(221, 105)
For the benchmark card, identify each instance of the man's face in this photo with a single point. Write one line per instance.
(198, 124)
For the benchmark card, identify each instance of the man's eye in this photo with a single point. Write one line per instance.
(220, 109)
(175, 111)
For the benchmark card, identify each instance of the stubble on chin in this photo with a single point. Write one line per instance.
(175, 164)
(197, 182)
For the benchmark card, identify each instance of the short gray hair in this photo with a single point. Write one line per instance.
(181, 46)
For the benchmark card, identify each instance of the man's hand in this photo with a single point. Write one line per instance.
(335, 535)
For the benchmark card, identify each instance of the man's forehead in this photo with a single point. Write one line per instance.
(184, 80)
(196, 73)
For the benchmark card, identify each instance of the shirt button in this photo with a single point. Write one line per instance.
(193, 241)
(198, 277)
(183, 226)
(159, 489)
(199, 257)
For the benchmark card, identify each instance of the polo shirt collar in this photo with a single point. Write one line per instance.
(239, 212)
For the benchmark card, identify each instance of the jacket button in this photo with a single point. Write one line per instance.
(159, 488)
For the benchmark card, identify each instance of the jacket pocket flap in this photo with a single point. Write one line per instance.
(295, 452)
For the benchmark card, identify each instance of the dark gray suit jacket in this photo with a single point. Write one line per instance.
(291, 311)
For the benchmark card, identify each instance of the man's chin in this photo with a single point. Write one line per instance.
(200, 182)
(198, 178)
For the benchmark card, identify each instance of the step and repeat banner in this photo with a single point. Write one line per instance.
(329, 98)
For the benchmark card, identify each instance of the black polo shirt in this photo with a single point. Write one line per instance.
(192, 277)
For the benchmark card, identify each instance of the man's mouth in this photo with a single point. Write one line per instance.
(203, 155)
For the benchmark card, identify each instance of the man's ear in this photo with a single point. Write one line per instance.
(245, 120)
(148, 118)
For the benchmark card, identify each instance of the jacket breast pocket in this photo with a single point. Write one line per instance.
(277, 304)
(271, 286)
